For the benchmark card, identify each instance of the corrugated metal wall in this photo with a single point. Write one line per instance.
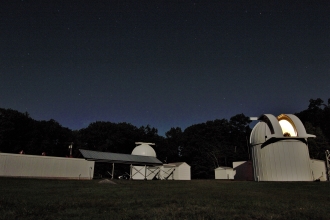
(282, 161)
(20, 165)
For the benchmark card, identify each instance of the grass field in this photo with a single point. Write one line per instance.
(196, 199)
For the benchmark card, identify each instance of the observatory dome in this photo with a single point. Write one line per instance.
(279, 149)
(144, 149)
(259, 133)
(283, 126)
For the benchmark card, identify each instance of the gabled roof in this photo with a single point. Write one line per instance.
(178, 163)
(223, 168)
(108, 157)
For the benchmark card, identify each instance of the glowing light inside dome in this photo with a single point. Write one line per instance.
(287, 128)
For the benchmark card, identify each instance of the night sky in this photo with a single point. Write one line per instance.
(166, 63)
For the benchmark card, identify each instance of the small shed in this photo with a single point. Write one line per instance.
(319, 171)
(243, 170)
(224, 173)
(182, 171)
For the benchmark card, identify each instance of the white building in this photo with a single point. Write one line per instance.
(181, 171)
(224, 173)
(32, 166)
(279, 149)
(170, 171)
(144, 172)
(166, 172)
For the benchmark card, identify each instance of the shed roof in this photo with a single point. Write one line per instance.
(109, 157)
(223, 168)
(178, 163)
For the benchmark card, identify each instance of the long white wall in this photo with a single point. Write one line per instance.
(20, 165)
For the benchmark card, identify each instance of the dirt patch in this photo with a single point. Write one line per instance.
(107, 181)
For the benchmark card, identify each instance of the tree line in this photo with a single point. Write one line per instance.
(203, 146)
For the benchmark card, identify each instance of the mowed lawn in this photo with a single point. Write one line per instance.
(195, 199)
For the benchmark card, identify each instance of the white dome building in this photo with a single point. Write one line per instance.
(144, 149)
(143, 172)
(177, 171)
(279, 149)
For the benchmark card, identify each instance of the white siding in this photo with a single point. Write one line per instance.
(166, 172)
(224, 173)
(19, 165)
(182, 171)
(282, 161)
(277, 157)
(139, 172)
(319, 170)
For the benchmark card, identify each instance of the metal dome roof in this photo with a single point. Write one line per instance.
(270, 127)
(259, 133)
(144, 149)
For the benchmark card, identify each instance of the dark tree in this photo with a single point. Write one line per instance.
(19, 132)
(317, 121)
(173, 145)
(52, 138)
(317, 146)
(206, 146)
(239, 136)
(215, 143)
(109, 137)
(15, 128)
